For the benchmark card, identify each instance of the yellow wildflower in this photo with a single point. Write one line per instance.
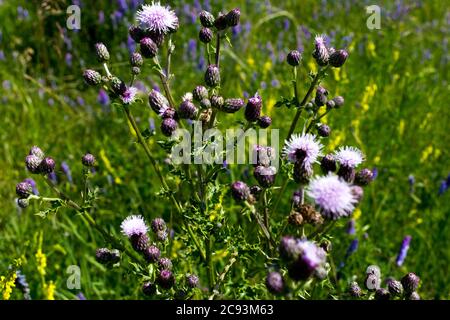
(41, 260)
(50, 290)
(7, 284)
(426, 153)
(109, 167)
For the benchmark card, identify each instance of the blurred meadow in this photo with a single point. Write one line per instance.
(395, 85)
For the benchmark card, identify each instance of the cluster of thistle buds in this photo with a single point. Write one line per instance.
(405, 289)
(303, 260)
(328, 56)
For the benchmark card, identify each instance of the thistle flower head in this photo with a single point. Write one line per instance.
(157, 18)
(332, 195)
(304, 148)
(349, 156)
(134, 226)
(320, 50)
(129, 96)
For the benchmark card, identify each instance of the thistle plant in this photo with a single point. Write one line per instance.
(223, 222)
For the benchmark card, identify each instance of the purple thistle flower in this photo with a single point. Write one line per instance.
(33, 185)
(134, 226)
(129, 96)
(332, 195)
(403, 250)
(349, 156)
(157, 18)
(303, 147)
(66, 170)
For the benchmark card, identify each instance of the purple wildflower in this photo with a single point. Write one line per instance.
(157, 18)
(134, 226)
(403, 250)
(303, 147)
(66, 170)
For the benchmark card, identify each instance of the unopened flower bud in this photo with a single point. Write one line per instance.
(255, 191)
(187, 110)
(382, 294)
(264, 122)
(355, 290)
(413, 296)
(36, 151)
(168, 126)
(274, 282)
(320, 52)
(152, 254)
(23, 202)
(233, 17)
(395, 287)
(165, 264)
(295, 218)
(200, 93)
(240, 191)
(330, 104)
(139, 242)
(410, 282)
(166, 279)
(161, 235)
(158, 224)
(23, 189)
(338, 58)
(372, 282)
(253, 108)
(221, 22)
(102, 52)
(232, 105)
(157, 101)
(47, 165)
(192, 280)
(92, 77)
(157, 37)
(206, 19)
(88, 160)
(320, 99)
(149, 49)
(32, 162)
(217, 102)
(103, 255)
(205, 35)
(212, 76)
(149, 288)
(323, 130)
(265, 176)
(136, 59)
(338, 101)
(293, 58)
(347, 173)
(363, 177)
(135, 70)
(205, 104)
(118, 86)
(302, 174)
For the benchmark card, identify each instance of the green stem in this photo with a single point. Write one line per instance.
(218, 48)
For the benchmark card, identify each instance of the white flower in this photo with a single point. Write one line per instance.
(349, 156)
(332, 195)
(129, 96)
(134, 225)
(157, 18)
(303, 147)
(188, 96)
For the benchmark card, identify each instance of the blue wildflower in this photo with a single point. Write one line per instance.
(403, 250)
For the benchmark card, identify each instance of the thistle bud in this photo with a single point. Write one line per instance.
(166, 279)
(374, 269)
(102, 52)
(157, 37)
(410, 282)
(192, 280)
(253, 108)
(205, 35)
(323, 130)
(217, 102)
(320, 99)
(232, 105)
(221, 22)
(23, 189)
(115, 256)
(338, 101)
(103, 255)
(157, 101)
(240, 191)
(118, 86)
(169, 113)
(347, 173)
(136, 59)
(32, 163)
(295, 218)
(265, 176)
(274, 282)
(372, 282)
(382, 294)
(149, 288)
(328, 163)
(320, 53)
(88, 160)
(92, 77)
(212, 76)
(289, 248)
(322, 90)
(264, 122)
(355, 290)
(297, 199)
(152, 254)
(158, 224)
(36, 151)
(23, 203)
(363, 177)
(136, 33)
(206, 19)
(262, 155)
(161, 235)
(168, 126)
(330, 104)
(302, 174)
(205, 104)
(395, 287)
(200, 93)
(233, 17)
(165, 264)
(293, 58)
(149, 49)
(135, 70)
(338, 58)
(187, 110)
(139, 242)
(47, 165)
(357, 192)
